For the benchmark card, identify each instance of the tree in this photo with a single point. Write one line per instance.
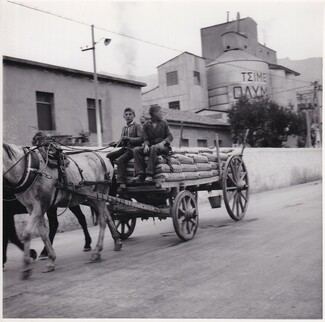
(269, 123)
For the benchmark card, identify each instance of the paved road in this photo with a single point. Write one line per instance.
(268, 266)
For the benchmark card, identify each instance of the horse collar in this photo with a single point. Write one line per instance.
(29, 175)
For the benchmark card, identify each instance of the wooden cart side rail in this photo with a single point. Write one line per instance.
(160, 186)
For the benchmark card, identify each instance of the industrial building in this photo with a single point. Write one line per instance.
(233, 64)
(182, 84)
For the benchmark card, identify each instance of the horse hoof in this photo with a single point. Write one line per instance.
(118, 246)
(49, 268)
(87, 249)
(26, 273)
(95, 257)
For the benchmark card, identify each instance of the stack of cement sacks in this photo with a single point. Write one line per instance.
(186, 165)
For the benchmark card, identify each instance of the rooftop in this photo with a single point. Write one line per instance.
(185, 52)
(190, 117)
(68, 71)
(287, 70)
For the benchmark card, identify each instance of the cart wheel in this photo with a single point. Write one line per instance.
(124, 226)
(235, 187)
(185, 215)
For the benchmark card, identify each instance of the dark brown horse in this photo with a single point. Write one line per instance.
(42, 194)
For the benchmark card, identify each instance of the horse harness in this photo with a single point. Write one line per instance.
(59, 159)
(54, 157)
(31, 171)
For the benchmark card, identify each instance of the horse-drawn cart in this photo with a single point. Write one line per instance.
(178, 199)
(44, 176)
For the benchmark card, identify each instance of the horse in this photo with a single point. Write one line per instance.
(11, 207)
(86, 169)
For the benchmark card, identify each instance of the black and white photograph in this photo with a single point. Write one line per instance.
(162, 159)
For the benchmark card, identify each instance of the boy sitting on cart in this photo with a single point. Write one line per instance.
(131, 137)
(157, 138)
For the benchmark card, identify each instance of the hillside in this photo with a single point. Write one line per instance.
(310, 69)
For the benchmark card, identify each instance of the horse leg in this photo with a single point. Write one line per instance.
(27, 234)
(48, 245)
(100, 209)
(114, 232)
(76, 210)
(13, 237)
(53, 226)
(5, 237)
(10, 234)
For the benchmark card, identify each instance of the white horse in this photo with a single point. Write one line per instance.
(40, 192)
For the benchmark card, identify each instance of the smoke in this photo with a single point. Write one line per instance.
(127, 46)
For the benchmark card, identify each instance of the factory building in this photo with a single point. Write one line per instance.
(236, 64)
(182, 84)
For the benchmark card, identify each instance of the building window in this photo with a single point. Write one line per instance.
(220, 142)
(197, 79)
(184, 142)
(92, 115)
(202, 143)
(174, 105)
(172, 78)
(45, 111)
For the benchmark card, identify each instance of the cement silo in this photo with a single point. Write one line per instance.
(234, 74)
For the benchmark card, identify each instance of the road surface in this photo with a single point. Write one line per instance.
(267, 266)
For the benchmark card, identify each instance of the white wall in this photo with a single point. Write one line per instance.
(275, 168)
(272, 168)
(268, 169)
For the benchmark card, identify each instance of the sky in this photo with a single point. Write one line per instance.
(145, 34)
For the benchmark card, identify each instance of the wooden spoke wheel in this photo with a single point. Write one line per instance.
(124, 226)
(235, 187)
(185, 215)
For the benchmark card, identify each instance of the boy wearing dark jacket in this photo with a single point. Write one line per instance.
(156, 141)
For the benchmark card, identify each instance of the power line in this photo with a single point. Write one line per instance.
(99, 28)
(133, 38)
(289, 90)
(48, 12)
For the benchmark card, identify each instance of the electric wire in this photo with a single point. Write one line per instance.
(151, 43)
(132, 37)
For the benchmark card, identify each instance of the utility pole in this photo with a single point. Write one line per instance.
(98, 118)
(306, 108)
(316, 88)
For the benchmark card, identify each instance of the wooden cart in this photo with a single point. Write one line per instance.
(179, 199)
